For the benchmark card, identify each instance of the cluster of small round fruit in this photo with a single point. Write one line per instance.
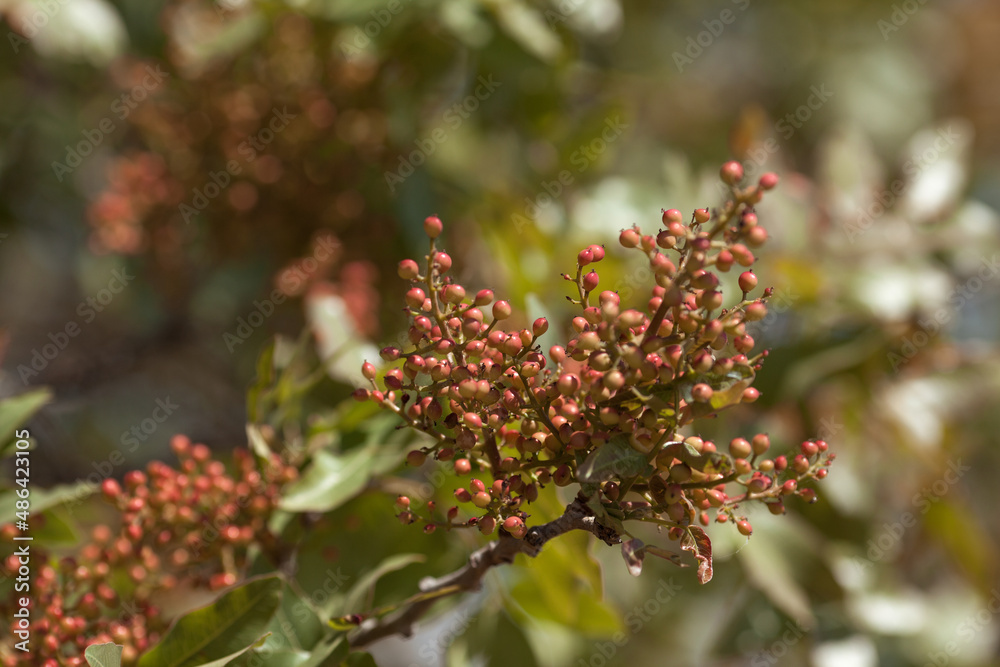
(191, 526)
(607, 409)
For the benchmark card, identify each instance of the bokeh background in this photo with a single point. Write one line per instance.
(182, 180)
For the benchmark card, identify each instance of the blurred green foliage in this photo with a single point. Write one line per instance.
(880, 118)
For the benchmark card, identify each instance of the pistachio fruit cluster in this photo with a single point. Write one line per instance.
(613, 408)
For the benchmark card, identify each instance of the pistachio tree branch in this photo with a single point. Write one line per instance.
(469, 577)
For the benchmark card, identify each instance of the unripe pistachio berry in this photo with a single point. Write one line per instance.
(768, 181)
(748, 281)
(433, 226)
(731, 172)
(740, 448)
(744, 527)
(701, 393)
(629, 238)
(501, 310)
(515, 526)
(408, 270)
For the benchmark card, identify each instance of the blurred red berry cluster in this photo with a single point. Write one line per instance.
(187, 527)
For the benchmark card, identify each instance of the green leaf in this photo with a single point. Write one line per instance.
(261, 387)
(695, 540)
(297, 621)
(563, 585)
(237, 657)
(613, 460)
(16, 411)
(232, 623)
(104, 655)
(257, 443)
(362, 589)
(727, 387)
(46, 499)
(333, 650)
(271, 657)
(361, 659)
(707, 462)
(333, 479)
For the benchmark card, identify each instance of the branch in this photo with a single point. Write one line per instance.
(468, 578)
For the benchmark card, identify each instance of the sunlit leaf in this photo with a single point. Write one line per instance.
(104, 655)
(16, 411)
(333, 479)
(363, 588)
(231, 624)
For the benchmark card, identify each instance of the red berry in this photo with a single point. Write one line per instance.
(486, 525)
(433, 226)
(750, 394)
(501, 310)
(768, 181)
(590, 281)
(597, 251)
(740, 448)
(484, 297)
(629, 238)
(540, 326)
(111, 489)
(744, 527)
(515, 526)
(416, 458)
(701, 393)
(462, 466)
(731, 172)
(748, 281)
(443, 261)
(701, 215)
(672, 215)
(585, 257)
(757, 237)
(809, 448)
(408, 270)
